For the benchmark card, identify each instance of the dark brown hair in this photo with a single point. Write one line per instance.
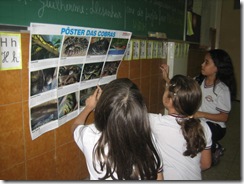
(186, 95)
(225, 71)
(125, 146)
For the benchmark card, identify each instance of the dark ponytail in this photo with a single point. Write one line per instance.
(186, 95)
(193, 134)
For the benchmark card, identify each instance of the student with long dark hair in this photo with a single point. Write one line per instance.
(218, 87)
(119, 145)
(184, 141)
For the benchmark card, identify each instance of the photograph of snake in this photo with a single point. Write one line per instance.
(98, 46)
(43, 80)
(67, 104)
(110, 68)
(85, 93)
(91, 71)
(45, 46)
(118, 46)
(74, 46)
(43, 114)
(69, 74)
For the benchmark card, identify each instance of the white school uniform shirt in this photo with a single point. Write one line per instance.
(86, 137)
(215, 101)
(172, 145)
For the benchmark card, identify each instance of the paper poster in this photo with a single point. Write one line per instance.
(143, 49)
(155, 49)
(149, 49)
(176, 48)
(66, 64)
(129, 51)
(10, 47)
(136, 49)
(186, 49)
(165, 50)
(160, 50)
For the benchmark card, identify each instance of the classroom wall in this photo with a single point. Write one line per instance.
(54, 155)
(195, 59)
(227, 24)
(230, 37)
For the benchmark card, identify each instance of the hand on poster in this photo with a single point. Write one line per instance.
(92, 100)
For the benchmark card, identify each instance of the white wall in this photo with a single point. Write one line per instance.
(221, 15)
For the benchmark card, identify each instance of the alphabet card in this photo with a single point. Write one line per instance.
(128, 51)
(10, 47)
(160, 50)
(155, 49)
(143, 49)
(136, 49)
(149, 49)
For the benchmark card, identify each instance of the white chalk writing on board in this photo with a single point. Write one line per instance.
(95, 8)
(139, 16)
(156, 13)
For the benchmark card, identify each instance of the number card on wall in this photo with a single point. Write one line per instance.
(10, 46)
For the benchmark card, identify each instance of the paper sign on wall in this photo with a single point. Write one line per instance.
(10, 46)
(66, 63)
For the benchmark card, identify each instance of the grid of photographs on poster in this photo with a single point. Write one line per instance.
(66, 64)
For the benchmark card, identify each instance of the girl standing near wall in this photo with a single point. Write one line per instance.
(119, 145)
(184, 141)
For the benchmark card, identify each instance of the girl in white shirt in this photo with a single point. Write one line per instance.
(218, 87)
(183, 140)
(119, 145)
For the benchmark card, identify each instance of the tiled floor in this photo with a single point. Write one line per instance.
(230, 165)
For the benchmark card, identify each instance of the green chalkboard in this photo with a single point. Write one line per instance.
(137, 16)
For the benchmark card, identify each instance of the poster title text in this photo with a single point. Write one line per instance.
(84, 32)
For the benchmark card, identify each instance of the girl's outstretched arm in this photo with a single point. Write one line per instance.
(165, 72)
(91, 103)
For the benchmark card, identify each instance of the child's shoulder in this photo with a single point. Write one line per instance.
(164, 120)
(220, 86)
